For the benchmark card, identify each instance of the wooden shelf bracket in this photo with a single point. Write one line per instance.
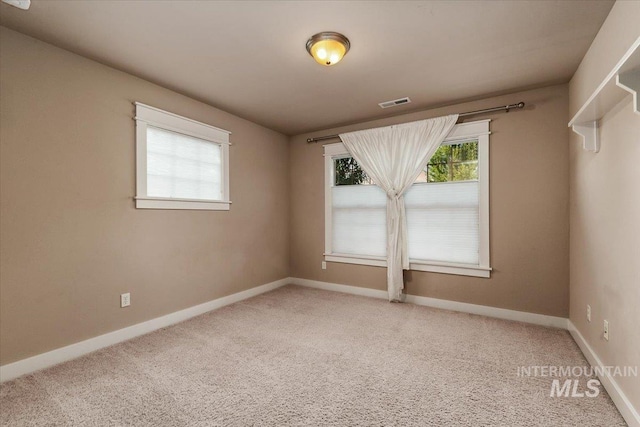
(589, 133)
(630, 81)
(623, 78)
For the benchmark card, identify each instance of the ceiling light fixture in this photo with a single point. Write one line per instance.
(328, 48)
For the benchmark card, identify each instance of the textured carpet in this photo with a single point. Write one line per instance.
(298, 356)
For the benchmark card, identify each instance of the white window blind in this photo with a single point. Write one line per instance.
(443, 222)
(447, 208)
(180, 166)
(180, 163)
(359, 220)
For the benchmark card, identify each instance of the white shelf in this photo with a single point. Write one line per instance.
(624, 78)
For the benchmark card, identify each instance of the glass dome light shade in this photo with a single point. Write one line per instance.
(328, 48)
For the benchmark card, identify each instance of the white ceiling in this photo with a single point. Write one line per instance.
(249, 57)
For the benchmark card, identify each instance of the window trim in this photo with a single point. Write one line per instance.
(461, 132)
(155, 117)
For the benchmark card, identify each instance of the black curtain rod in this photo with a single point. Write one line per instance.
(504, 108)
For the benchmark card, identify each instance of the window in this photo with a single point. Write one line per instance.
(181, 163)
(447, 208)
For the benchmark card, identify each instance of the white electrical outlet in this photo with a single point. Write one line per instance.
(588, 313)
(324, 265)
(606, 330)
(125, 300)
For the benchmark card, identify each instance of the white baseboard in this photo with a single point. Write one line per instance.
(73, 351)
(345, 289)
(483, 310)
(624, 405)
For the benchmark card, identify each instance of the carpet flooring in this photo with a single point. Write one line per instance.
(306, 357)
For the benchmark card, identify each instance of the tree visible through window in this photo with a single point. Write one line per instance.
(349, 172)
(455, 162)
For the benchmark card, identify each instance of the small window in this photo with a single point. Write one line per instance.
(181, 163)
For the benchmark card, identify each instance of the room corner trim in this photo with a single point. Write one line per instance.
(73, 351)
(624, 405)
(482, 310)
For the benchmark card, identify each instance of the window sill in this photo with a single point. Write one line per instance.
(417, 265)
(183, 204)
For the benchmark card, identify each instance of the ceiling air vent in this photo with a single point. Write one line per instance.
(395, 102)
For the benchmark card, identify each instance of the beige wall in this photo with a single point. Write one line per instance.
(528, 220)
(605, 209)
(72, 240)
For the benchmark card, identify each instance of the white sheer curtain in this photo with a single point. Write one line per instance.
(393, 157)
